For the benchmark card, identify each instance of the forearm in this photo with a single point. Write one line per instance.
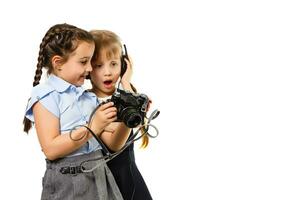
(115, 140)
(56, 144)
(62, 145)
(127, 86)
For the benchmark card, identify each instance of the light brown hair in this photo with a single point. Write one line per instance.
(110, 42)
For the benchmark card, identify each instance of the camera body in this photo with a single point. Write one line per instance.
(131, 107)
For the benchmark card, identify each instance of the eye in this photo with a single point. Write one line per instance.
(114, 64)
(84, 62)
(98, 65)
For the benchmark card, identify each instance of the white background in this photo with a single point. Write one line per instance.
(225, 75)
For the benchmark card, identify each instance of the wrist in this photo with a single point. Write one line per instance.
(97, 128)
(126, 85)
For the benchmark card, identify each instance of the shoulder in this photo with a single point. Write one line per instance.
(47, 95)
(41, 91)
(44, 92)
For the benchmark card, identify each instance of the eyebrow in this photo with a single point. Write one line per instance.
(85, 57)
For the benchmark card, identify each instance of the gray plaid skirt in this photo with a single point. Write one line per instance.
(64, 180)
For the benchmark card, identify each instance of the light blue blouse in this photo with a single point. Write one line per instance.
(71, 104)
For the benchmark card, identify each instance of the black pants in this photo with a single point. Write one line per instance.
(128, 177)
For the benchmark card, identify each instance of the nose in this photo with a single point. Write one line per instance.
(89, 67)
(107, 71)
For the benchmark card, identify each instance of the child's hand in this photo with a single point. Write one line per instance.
(126, 78)
(106, 114)
(148, 106)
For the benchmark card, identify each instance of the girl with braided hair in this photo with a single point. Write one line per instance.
(60, 110)
(107, 71)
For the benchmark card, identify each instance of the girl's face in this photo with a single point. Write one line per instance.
(78, 65)
(105, 74)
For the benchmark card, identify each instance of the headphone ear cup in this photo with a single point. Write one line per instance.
(123, 65)
(123, 62)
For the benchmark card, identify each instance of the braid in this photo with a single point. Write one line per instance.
(38, 71)
(41, 58)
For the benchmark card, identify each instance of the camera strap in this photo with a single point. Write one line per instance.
(134, 137)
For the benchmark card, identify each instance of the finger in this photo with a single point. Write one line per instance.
(106, 105)
(113, 119)
(110, 109)
(129, 62)
(111, 115)
(130, 59)
(129, 66)
(148, 107)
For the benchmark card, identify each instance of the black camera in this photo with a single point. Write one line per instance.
(131, 107)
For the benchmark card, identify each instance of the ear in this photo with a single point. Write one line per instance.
(57, 61)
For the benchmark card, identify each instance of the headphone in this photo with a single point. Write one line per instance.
(123, 62)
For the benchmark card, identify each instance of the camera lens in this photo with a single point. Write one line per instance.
(133, 121)
(131, 117)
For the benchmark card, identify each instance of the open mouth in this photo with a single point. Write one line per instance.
(108, 83)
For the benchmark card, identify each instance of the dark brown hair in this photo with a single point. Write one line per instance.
(61, 40)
